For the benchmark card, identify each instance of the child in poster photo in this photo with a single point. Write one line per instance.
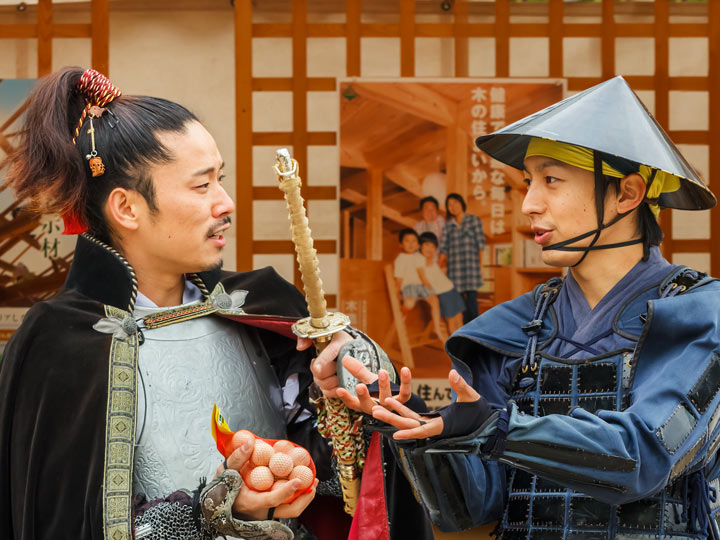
(411, 279)
(451, 303)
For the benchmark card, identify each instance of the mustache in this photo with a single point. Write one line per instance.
(219, 223)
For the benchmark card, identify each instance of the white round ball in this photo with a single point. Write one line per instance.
(261, 479)
(283, 446)
(304, 474)
(281, 465)
(300, 456)
(262, 453)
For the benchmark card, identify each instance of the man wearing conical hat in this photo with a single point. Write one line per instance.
(590, 407)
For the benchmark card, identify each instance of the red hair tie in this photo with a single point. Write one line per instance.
(98, 91)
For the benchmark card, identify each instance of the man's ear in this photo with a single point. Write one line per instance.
(631, 194)
(121, 209)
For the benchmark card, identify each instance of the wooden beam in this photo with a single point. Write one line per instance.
(714, 120)
(413, 98)
(502, 38)
(44, 45)
(100, 35)
(352, 156)
(299, 96)
(285, 84)
(388, 212)
(662, 99)
(18, 31)
(608, 39)
(406, 149)
(643, 82)
(271, 193)
(456, 161)
(346, 234)
(285, 138)
(374, 231)
(357, 181)
(273, 247)
(405, 179)
(326, 30)
(555, 35)
(407, 38)
(699, 245)
(358, 199)
(69, 30)
(460, 39)
(243, 136)
(380, 30)
(57, 30)
(353, 11)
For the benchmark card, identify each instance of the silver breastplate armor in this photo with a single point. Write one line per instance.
(185, 368)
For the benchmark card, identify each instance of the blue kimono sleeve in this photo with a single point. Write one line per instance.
(670, 428)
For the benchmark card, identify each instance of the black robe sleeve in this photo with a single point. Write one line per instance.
(53, 401)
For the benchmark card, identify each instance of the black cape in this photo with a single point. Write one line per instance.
(54, 392)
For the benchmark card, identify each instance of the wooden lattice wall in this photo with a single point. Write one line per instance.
(45, 30)
(663, 23)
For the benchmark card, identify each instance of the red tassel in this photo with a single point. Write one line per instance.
(73, 224)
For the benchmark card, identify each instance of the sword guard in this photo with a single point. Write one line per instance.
(314, 329)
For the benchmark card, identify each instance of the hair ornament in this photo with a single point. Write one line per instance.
(98, 92)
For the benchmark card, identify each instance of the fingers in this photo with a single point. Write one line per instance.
(401, 409)
(431, 429)
(358, 370)
(277, 496)
(409, 428)
(303, 343)
(296, 507)
(384, 385)
(239, 457)
(324, 368)
(389, 417)
(359, 403)
(367, 402)
(464, 391)
(338, 340)
(328, 385)
(405, 385)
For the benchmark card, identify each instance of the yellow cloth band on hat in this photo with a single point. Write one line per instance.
(581, 157)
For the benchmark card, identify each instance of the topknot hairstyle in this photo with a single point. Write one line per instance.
(52, 173)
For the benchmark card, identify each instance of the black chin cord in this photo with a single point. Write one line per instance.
(600, 211)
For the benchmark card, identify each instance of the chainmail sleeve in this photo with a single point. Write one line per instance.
(171, 518)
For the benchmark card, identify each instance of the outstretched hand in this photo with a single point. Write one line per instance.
(324, 370)
(412, 425)
(364, 402)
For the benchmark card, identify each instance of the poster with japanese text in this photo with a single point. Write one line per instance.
(405, 144)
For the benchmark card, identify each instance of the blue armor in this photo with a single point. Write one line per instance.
(585, 446)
